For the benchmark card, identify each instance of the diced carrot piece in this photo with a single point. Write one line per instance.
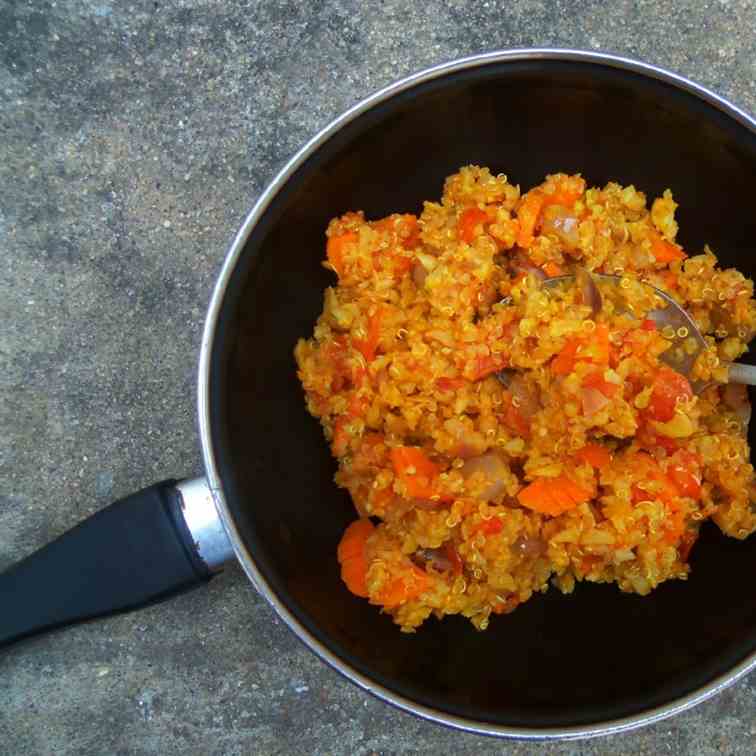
(564, 362)
(527, 214)
(392, 593)
(369, 344)
(552, 270)
(336, 248)
(575, 492)
(354, 539)
(412, 459)
(595, 455)
(664, 251)
(352, 557)
(354, 574)
(553, 496)
(415, 471)
(469, 222)
(648, 325)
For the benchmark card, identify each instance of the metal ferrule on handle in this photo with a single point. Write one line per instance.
(204, 525)
(142, 549)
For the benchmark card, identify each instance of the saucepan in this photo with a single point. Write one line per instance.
(594, 662)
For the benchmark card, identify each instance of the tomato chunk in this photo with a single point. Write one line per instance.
(669, 388)
(597, 381)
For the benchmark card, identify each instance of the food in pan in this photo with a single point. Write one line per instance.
(498, 435)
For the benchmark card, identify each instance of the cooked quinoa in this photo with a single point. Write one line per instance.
(497, 434)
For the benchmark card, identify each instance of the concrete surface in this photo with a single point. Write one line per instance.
(135, 135)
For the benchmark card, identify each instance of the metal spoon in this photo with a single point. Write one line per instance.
(675, 317)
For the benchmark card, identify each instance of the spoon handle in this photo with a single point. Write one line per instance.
(740, 373)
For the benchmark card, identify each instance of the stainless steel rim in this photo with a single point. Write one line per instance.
(208, 452)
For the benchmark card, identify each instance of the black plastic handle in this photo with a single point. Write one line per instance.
(135, 552)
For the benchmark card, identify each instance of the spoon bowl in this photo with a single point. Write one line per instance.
(677, 325)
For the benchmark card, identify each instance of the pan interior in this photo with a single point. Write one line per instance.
(558, 660)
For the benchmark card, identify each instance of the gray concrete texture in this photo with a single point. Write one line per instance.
(135, 136)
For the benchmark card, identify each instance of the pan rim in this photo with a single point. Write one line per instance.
(598, 728)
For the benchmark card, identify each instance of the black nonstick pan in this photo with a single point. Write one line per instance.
(594, 662)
